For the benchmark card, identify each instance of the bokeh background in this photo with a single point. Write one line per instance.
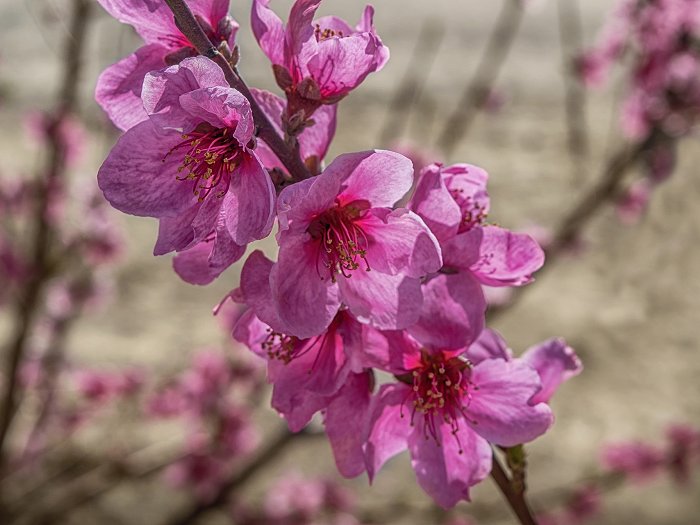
(628, 302)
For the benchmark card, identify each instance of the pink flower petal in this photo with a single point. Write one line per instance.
(138, 177)
(306, 303)
(446, 470)
(269, 31)
(453, 312)
(500, 409)
(555, 362)
(387, 302)
(249, 204)
(118, 89)
(389, 427)
(346, 424)
(507, 258)
(400, 243)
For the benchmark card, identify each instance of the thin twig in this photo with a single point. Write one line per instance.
(187, 23)
(516, 500)
(30, 298)
(574, 93)
(264, 457)
(476, 93)
(606, 189)
(409, 89)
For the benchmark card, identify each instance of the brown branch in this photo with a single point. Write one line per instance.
(30, 297)
(477, 91)
(574, 93)
(605, 190)
(516, 499)
(409, 89)
(264, 457)
(189, 26)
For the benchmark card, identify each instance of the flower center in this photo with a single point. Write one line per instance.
(210, 155)
(286, 348)
(441, 392)
(473, 211)
(325, 34)
(342, 241)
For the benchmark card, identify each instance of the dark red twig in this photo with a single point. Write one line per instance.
(266, 455)
(516, 500)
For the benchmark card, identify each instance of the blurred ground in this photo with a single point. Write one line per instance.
(629, 305)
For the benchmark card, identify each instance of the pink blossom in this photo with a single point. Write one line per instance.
(119, 86)
(454, 203)
(632, 205)
(554, 360)
(635, 459)
(198, 471)
(446, 411)
(585, 503)
(340, 242)
(100, 386)
(683, 450)
(190, 165)
(317, 62)
(67, 131)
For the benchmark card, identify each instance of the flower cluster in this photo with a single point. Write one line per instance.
(207, 397)
(360, 284)
(662, 100)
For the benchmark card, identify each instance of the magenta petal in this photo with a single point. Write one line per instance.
(255, 288)
(152, 20)
(499, 408)
(346, 424)
(300, 42)
(387, 302)
(321, 367)
(366, 24)
(306, 303)
(205, 261)
(269, 31)
(379, 177)
(453, 312)
(400, 242)
(249, 204)
(341, 64)
(162, 90)
(297, 405)
(299, 203)
(489, 345)
(463, 250)
(393, 351)
(251, 331)
(555, 362)
(175, 233)
(446, 470)
(222, 107)
(435, 204)
(118, 89)
(139, 178)
(389, 427)
(507, 258)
